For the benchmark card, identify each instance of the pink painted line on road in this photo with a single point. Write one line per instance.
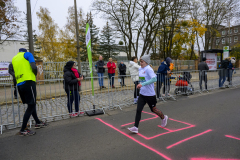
(140, 121)
(176, 129)
(213, 159)
(142, 144)
(229, 136)
(188, 139)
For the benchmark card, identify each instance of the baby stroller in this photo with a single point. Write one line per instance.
(184, 85)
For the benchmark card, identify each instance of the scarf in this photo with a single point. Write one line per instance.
(75, 71)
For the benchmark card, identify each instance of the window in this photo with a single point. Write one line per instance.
(230, 39)
(209, 40)
(235, 39)
(217, 41)
(223, 41)
(230, 31)
(223, 32)
(235, 30)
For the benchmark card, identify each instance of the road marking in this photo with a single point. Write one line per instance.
(229, 136)
(142, 144)
(184, 140)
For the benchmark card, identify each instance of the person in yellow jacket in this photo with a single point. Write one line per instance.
(25, 70)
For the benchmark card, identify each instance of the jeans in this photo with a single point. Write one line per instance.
(221, 80)
(111, 78)
(72, 96)
(100, 79)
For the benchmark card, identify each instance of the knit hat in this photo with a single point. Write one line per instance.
(69, 64)
(22, 50)
(146, 58)
(204, 59)
(168, 60)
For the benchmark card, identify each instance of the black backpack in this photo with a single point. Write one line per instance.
(224, 64)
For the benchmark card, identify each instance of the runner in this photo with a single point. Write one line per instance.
(25, 70)
(147, 77)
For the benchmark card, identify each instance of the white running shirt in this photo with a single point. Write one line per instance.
(145, 74)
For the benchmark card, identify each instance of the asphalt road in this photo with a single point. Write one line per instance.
(200, 127)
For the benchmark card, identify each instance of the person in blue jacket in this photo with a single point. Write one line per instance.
(162, 73)
(230, 70)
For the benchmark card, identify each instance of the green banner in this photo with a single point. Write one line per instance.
(88, 43)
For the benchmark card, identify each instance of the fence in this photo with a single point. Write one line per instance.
(52, 97)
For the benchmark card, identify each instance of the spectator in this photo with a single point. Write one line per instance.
(11, 71)
(25, 71)
(122, 71)
(72, 83)
(203, 68)
(100, 65)
(223, 72)
(133, 68)
(111, 71)
(230, 69)
(162, 72)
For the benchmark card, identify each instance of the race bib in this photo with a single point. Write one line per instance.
(142, 79)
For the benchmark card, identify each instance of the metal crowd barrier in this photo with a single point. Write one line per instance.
(52, 97)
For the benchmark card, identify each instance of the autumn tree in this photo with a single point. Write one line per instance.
(107, 45)
(67, 36)
(9, 15)
(47, 39)
(213, 14)
(137, 21)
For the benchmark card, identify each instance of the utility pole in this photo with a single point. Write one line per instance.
(77, 36)
(29, 25)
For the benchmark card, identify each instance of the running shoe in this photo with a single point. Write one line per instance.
(80, 113)
(41, 125)
(27, 132)
(164, 121)
(133, 129)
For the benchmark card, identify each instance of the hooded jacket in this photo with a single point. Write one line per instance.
(70, 80)
(162, 71)
(133, 68)
(122, 69)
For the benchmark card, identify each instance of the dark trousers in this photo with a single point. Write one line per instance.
(203, 78)
(151, 101)
(15, 87)
(229, 74)
(166, 86)
(31, 110)
(111, 78)
(72, 96)
(122, 79)
(136, 90)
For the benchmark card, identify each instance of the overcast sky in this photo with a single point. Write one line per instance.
(58, 10)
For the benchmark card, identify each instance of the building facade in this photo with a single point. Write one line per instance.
(10, 48)
(228, 36)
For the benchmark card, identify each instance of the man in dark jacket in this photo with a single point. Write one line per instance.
(162, 73)
(100, 65)
(122, 70)
(11, 71)
(203, 67)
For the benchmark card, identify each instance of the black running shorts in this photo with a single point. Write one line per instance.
(150, 100)
(27, 92)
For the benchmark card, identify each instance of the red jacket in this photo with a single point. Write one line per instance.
(111, 69)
